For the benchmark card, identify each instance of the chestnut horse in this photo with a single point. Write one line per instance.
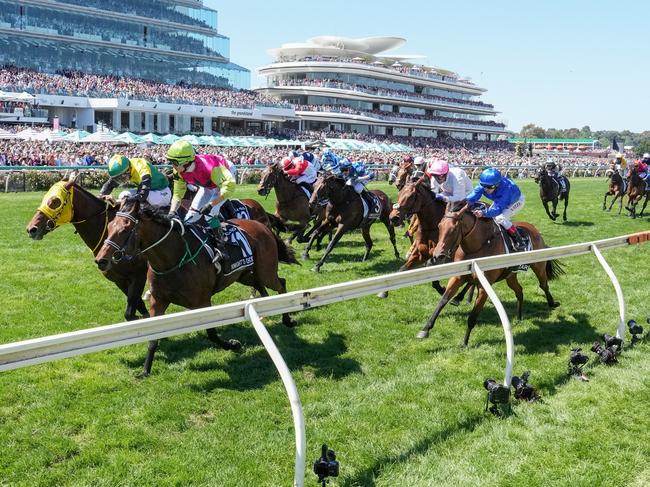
(181, 269)
(292, 202)
(416, 199)
(550, 191)
(636, 191)
(616, 187)
(347, 213)
(465, 236)
(67, 202)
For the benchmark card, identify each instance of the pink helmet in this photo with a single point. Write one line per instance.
(437, 167)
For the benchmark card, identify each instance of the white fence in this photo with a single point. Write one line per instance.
(46, 349)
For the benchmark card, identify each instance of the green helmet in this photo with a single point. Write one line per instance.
(181, 152)
(118, 164)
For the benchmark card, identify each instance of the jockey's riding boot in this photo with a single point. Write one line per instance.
(220, 245)
(518, 241)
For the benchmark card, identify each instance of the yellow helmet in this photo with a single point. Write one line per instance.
(180, 153)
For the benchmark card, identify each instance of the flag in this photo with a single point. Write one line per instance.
(616, 147)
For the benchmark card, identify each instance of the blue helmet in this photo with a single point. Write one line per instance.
(345, 164)
(308, 156)
(490, 177)
(293, 154)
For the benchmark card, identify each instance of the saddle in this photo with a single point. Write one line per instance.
(561, 182)
(232, 209)
(371, 205)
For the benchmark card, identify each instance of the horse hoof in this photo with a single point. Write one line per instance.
(233, 345)
(454, 302)
(290, 323)
(316, 269)
(305, 256)
(142, 375)
(383, 295)
(554, 304)
(422, 335)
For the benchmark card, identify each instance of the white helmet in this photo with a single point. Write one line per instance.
(419, 162)
(646, 156)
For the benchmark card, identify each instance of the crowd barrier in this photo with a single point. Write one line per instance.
(47, 349)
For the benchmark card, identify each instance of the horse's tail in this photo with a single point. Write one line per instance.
(554, 269)
(276, 224)
(286, 253)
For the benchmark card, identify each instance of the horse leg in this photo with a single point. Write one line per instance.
(365, 233)
(605, 201)
(513, 284)
(473, 315)
(271, 280)
(157, 308)
(230, 344)
(555, 213)
(391, 235)
(452, 287)
(539, 269)
(136, 287)
(337, 236)
(547, 210)
(320, 231)
(461, 295)
(620, 204)
(566, 203)
(645, 203)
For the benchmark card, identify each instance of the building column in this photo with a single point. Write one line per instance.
(163, 123)
(117, 120)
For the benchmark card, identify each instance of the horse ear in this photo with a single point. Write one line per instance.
(74, 177)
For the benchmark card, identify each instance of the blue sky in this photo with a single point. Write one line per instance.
(552, 63)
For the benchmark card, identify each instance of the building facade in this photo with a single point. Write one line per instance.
(351, 85)
(164, 40)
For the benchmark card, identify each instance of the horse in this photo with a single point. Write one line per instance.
(617, 187)
(180, 267)
(416, 199)
(292, 201)
(549, 190)
(67, 202)
(635, 192)
(347, 214)
(465, 236)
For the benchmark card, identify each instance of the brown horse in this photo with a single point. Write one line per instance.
(346, 214)
(550, 191)
(256, 212)
(636, 191)
(616, 187)
(67, 202)
(292, 203)
(180, 267)
(465, 236)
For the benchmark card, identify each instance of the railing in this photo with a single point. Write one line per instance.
(55, 347)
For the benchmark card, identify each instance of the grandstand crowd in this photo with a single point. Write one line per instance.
(76, 83)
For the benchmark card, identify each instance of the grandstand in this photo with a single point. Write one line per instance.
(157, 66)
(351, 85)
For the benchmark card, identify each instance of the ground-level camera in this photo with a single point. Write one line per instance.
(577, 360)
(636, 330)
(607, 355)
(499, 395)
(326, 466)
(523, 390)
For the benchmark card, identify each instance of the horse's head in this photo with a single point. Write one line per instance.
(269, 179)
(55, 209)
(122, 235)
(409, 201)
(403, 173)
(541, 172)
(450, 232)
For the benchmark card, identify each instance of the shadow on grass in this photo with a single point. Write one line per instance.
(577, 224)
(368, 477)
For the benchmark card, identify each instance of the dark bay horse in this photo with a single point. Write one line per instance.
(292, 203)
(636, 191)
(550, 191)
(67, 202)
(181, 270)
(464, 236)
(616, 187)
(347, 214)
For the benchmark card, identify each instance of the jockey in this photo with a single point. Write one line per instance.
(216, 184)
(641, 168)
(448, 184)
(620, 163)
(356, 175)
(646, 158)
(554, 171)
(153, 186)
(300, 171)
(508, 200)
(312, 159)
(419, 164)
(330, 162)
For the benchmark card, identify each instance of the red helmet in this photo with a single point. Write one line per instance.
(286, 163)
(408, 158)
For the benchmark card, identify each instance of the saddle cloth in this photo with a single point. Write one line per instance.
(561, 182)
(371, 205)
(236, 244)
(510, 248)
(232, 209)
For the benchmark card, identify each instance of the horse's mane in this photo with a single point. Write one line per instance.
(86, 192)
(455, 206)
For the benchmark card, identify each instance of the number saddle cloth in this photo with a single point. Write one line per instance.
(236, 245)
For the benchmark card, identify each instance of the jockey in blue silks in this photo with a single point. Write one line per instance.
(330, 162)
(356, 175)
(507, 201)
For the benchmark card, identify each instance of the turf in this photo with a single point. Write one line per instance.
(398, 412)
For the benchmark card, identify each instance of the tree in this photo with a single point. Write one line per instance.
(642, 147)
(532, 131)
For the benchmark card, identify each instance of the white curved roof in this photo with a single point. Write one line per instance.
(326, 45)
